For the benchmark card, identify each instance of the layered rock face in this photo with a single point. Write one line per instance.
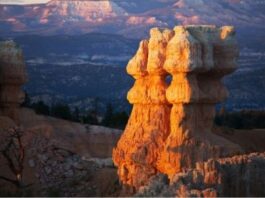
(58, 152)
(238, 176)
(139, 148)
(170, 126)
(197, 59)
(12, 77)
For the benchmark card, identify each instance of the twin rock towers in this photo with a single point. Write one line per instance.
(170, 127)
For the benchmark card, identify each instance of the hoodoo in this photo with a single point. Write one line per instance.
(170, 127)
(12, 77)
(140, 146)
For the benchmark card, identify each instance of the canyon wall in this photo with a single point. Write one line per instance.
(12, 77)
(169, 129)
(238, 176)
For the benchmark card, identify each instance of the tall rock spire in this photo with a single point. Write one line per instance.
(12, 77)
(170, 126)
(198, 57)
(142, 142)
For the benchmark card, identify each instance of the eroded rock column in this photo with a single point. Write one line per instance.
(197, 59)
(170, 128)
(139, 148)
(12, 77)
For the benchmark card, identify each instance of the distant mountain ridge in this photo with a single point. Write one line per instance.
(129, 18)
(22, 2)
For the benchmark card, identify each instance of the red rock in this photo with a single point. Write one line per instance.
(12, 77)
(170, 128)
(237, 176)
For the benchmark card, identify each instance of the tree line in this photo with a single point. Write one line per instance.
(244, 119)
(111, 118)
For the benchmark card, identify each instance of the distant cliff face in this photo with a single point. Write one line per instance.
(170, 127)
(12, 77)
(129, 18)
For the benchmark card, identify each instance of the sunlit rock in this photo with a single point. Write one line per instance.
(204, 55)
(170, 127)
(142, 141)
(237, 176)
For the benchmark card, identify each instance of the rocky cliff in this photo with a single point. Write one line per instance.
(170, 127)
(47, 154)
(63, 157)
(12, 77)
(238, 176)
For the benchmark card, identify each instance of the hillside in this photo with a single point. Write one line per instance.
(131, 19)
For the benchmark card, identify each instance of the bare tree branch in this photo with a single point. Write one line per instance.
(14, 153)
(9, 180)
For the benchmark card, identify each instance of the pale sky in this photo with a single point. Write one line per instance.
(21, 2)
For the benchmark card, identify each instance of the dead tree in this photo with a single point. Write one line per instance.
(13, 152)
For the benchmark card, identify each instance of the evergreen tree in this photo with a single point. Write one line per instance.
(107, 120)
(61, 111)
(41, 108)
(27, 101)
(119, 120)
(76, 114)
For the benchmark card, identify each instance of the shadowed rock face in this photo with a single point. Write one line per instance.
(170, 125)
(12, 77)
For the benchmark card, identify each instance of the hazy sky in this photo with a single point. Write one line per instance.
(22, 1)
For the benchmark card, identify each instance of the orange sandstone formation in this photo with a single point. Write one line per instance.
(141, 144)
(237, 176)
(197, 59)
(170, 127)
(12, 77)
